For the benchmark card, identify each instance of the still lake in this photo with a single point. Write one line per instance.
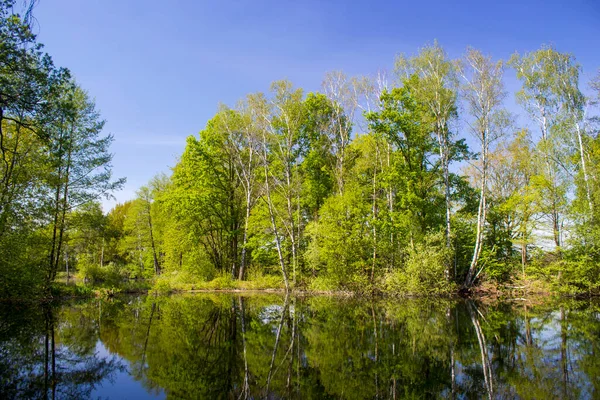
(266, 346)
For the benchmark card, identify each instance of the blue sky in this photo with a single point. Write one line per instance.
(159, 69)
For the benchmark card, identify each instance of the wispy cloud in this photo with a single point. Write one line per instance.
(152, 140)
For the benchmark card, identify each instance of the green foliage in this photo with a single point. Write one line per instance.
(323, 284)
(343, 224)
(54, 158)
(107, 275)
(495, 268)
(423, 271)
(580, 274)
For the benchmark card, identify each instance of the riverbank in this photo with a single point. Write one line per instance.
(517, 290)
(486, 291)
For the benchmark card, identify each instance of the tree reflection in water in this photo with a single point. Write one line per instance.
(267, 346)
(41, 358)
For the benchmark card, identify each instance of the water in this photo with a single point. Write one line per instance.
(262, 346)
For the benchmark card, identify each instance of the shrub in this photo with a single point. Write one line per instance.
(257, 279)
(109, 275)
(323, 284)
(424, 269)
(493, 268)
(223, 281)
(578, 275)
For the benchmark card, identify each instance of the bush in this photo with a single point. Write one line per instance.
(493, 268)
(162, 286)
(223, 281)
(257, 279)
(578, 275)
(110, 274)
(340, 243)
(424, 269)
(323, 284)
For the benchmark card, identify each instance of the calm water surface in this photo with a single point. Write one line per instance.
(265, 346)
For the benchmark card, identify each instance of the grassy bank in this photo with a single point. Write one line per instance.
(516, 289)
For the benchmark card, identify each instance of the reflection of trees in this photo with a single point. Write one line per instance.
(483, 348)
(374, 350)
(277, 338)
(192, 350)
(35, 365)
(223, 346)
(356, 349)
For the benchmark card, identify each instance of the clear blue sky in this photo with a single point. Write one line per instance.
(158, 69)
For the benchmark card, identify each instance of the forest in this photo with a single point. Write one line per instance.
(416, 181)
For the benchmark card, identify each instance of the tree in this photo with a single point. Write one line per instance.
(515, 187)
(205, 193)
(319, 160)
(483, 91)
(88, 232)
(243, 143)
(438, 93)
(146, 200)
(279, 122)
(406, 124)
(541, 96)
(343, 96)
(80, 163)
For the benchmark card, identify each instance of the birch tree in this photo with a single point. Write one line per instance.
(574, 106)
(483, 92)
(244, 145)
(279, 120)
(343, 93)
(541, 98)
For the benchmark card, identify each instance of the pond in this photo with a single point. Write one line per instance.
(267, 346)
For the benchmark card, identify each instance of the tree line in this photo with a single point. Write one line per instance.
(54, 159)
(371, 182)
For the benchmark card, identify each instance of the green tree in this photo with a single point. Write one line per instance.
(438, 92)
(80, 164)
(542, 96)
(205, 195)
(483, 91)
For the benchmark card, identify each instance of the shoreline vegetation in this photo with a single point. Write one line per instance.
(417, 182)
(517, 291)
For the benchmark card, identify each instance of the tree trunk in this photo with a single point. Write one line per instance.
(374, 213)
(291, 230)
(481, 216)
(102, 254)
(443, 144)
(67, 265)
(556, 224)
(53, 249)
(584, 168)
(554, 213)
(523, 256)
(245, 238)
(154, 256)
(272, 217)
